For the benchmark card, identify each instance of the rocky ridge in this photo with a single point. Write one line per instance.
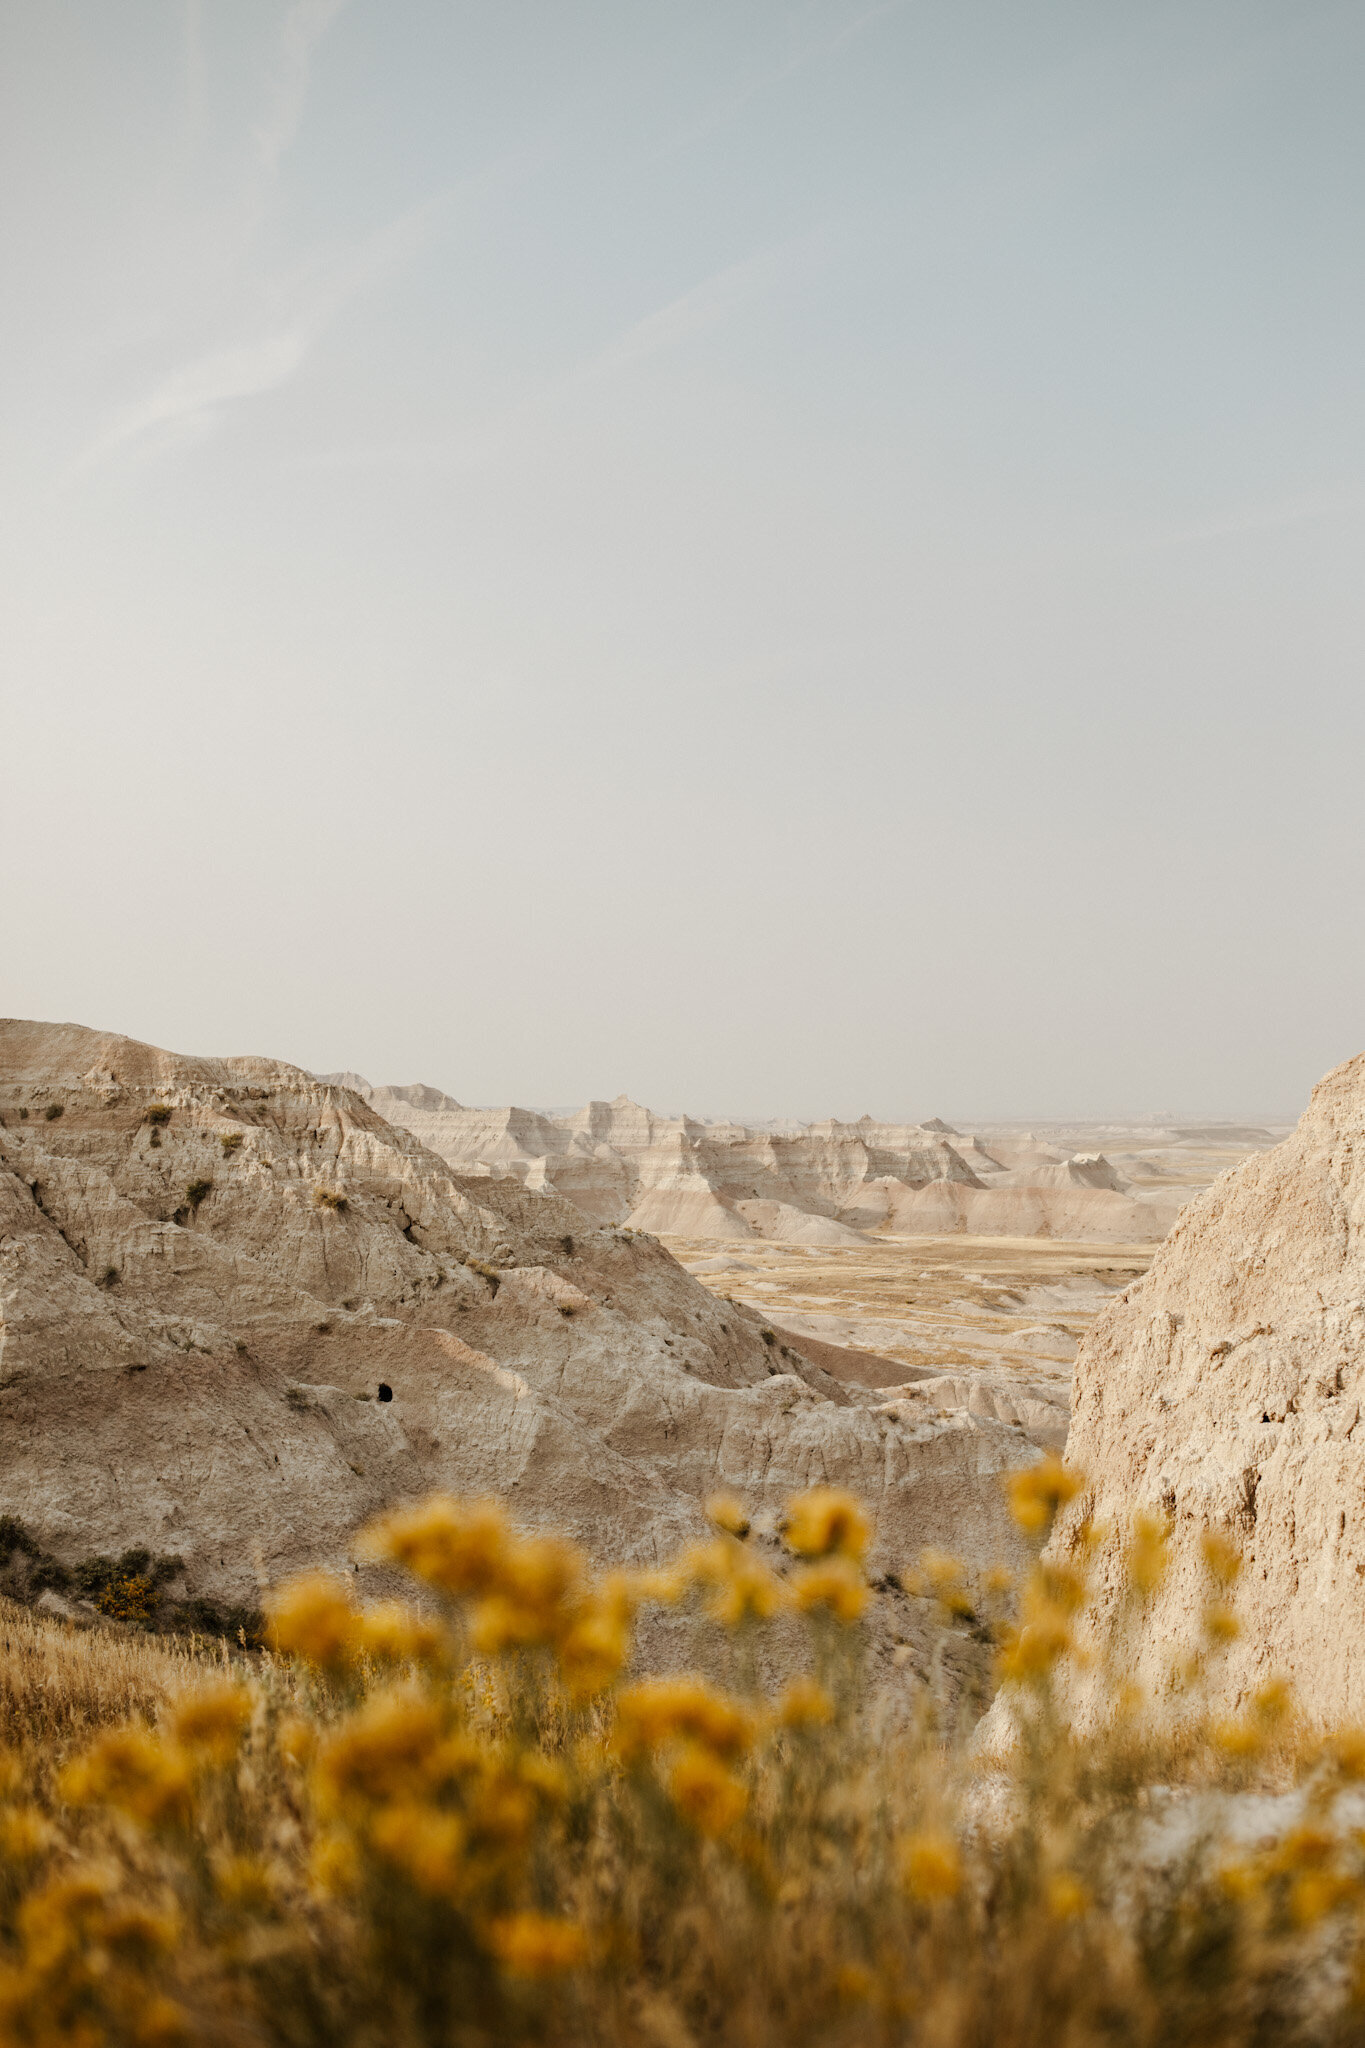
(1223, 1392)
(242, 1312)
(825, 1183)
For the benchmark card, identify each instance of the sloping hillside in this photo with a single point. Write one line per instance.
(242, 1311)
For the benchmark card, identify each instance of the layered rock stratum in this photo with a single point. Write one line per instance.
(242, 1312)
(826, 1183)
(1223, 1391)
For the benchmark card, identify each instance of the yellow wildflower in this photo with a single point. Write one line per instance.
(459, 1546)
(663, 1585)
(161, 2023)
(1273, 1702)
(536, 1945)
(1221, 1556)
(498, 1625)
(835, 1583)
(1238, 1739)
(133, 1772)
(1315, 1893)
(542, 1574)
(297, 1739)
(1346, 1752)
(390, 1633)
(804, 1704)
(1220, 1623)
(24, 1834)
(209, 1725)
(748, 1592)
(1037, 1493)
(1148, 1553)
(931, 1866)
(727, 1513)
(502, 1815)
(380, 1752)
(425, 1844)
(1067, 1898)
(313, 1618)
(244, 1882)
(1307, 1856)
(1240, 1879)
(825, 1522)
(334, 1865)
(942, 1578)
(705, 1792)
(593, 1650)
(1031, 1653)
(662, 1710)
(1055, 1588)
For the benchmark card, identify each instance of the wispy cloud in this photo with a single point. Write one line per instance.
(187, 402)
(193, 395)
(304, 26)
(817, 49)
(704, 306)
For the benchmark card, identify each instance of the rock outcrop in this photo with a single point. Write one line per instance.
(242, 1312)
(1224, 1391)
(818, 1184)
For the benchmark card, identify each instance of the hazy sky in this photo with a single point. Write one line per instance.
(789, 559)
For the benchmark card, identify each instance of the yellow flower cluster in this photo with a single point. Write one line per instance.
(1037, 1493)
(404, 1783)
(480, 1825)
(86, 1968)
(1053, 1597)
(526, 1593)
(931, 1866)
(150, 1777)
(702, 1732)
(826, 1523)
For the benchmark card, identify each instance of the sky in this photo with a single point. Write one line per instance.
(785, 559)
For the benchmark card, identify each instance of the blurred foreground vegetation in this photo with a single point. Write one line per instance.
(467, 1822)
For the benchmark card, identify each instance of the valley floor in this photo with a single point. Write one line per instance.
(931, 1304)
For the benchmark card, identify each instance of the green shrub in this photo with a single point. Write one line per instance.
(231, 1142)
(328, 1198)
(157, 1113)
(53, 1111)
(196, 1192)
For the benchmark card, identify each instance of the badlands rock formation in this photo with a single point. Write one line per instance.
(1224, 1391)
(816, 1184)
(242, 1312)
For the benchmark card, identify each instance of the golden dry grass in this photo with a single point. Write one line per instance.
(470, 1824)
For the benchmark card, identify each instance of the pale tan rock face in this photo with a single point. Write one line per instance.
(213, 1271)
(1225, 1390)
(820, 1183)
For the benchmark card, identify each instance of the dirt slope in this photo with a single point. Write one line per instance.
(212, 1272)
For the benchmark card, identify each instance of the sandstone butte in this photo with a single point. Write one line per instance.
(1223, 1391)
(242, 1313)
(824, 1183)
